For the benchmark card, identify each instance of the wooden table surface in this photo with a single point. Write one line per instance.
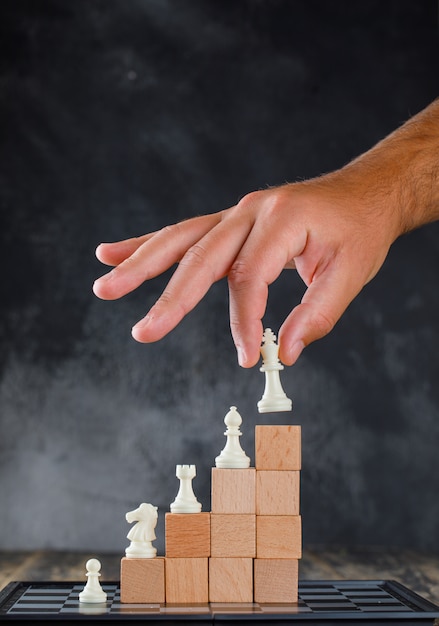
(418, 572)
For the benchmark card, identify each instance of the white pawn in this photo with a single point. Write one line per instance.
(274, 398)
(185, 501)
(93, 592)
(232, 456)
(143, 533)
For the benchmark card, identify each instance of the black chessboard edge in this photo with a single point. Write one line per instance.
(403, 607)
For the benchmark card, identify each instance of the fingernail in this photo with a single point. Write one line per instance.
(242, 357)
(296, 350)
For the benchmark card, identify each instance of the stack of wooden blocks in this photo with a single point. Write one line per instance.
(246, 549)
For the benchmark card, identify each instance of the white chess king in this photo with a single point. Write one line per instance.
(274, 398)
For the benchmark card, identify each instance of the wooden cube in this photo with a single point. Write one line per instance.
(230, 580)
(187, 580)
(142, 581)
(278, 447)
(276, 580)
(278, 537)
(277, 492)
(233, 535)
(234, 490)
(187, 535)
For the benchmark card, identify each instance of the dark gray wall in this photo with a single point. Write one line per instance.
(120, 117)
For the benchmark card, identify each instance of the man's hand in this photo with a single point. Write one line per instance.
(332, 246)
(335, 230)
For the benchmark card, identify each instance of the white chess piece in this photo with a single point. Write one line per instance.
(93, 592)
(143, 533)
(185, 501)
(232, 456)
(274, 398)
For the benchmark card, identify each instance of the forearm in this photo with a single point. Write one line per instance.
(401, 172)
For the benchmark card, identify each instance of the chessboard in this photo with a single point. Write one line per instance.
(320, 602)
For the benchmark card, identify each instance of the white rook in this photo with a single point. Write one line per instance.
(185, 501)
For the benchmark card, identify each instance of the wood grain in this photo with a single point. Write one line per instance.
(277, 492)
(276, 580)
(186, 580)
(142, 580)
(230, 580)
(278, 536)
(233, 535)
(187, 535)
(233, 490)
(278, 448)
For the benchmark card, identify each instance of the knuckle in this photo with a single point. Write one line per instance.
(195, 256)
(278, 201)
(168, 299)
(323, 324)
(270, 203)
(171, 230)
(247, 205)
(240, 274)
(250, 198)
(127, 264)
(235, 325)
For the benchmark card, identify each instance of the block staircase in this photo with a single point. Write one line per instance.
(247, 549)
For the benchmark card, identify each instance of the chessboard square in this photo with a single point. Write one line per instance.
(278, 447)
(187, 535)
(276, 580)
(142, 580)
(234, 490)
(230, 580)
(277, 492)
(233, 535)
(187, 580)
(278, 537)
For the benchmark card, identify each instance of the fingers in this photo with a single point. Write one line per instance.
(263, 257)
(205, 262)
(156, 253)
(323, 304)
(114, 253)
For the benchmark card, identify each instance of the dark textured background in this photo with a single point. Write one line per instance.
(120, 117)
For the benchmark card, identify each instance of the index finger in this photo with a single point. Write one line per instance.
(208, 260)
(157, 253)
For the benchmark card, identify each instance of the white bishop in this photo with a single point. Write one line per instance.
(233, 456)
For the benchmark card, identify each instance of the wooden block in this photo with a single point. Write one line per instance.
(276, 580)
(187, 580)
(142, 581)
(278, 447)
(230, 580)
(277, 492)
(187, 535)
(234, 490)
(233, 535)
(278, 537)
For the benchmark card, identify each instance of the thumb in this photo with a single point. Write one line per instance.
(323, 303)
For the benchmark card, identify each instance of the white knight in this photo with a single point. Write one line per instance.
(142, 534)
